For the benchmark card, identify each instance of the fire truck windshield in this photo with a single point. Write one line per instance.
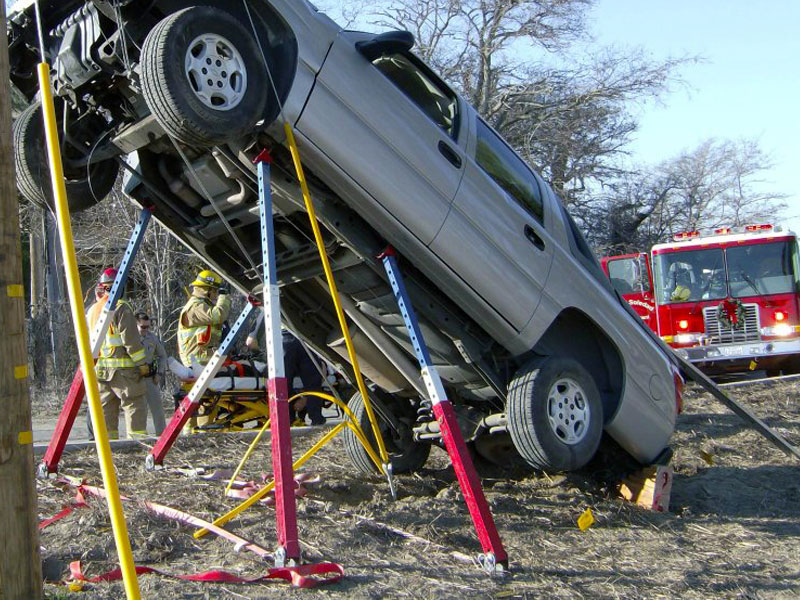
(759, 269)
(717, 273)
(690, 275)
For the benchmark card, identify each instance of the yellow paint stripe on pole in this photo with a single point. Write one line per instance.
(118, 524)
(21, 372)
(312, 217)
(15, 290)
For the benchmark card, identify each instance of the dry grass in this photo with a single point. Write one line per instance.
(734, 529)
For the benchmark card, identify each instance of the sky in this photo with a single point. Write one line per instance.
(747, 86)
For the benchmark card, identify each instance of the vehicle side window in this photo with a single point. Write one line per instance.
(508, 170)
(423, 88)
(629, 275)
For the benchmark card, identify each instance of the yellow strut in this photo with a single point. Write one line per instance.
(118, 525)
(312, 217)
(268, 488)
(246, 456)
(352, 424)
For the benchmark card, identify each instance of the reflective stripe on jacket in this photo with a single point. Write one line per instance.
(200, 327)
(122, 347)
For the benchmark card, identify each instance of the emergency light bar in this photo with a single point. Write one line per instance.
(689, 235)
(685, 235)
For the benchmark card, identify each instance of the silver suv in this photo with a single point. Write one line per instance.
(537, 354)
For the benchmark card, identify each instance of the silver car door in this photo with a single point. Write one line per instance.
(494, 237)
(391, 125)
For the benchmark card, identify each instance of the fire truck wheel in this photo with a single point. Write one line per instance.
(406, 455)
(84, 187)
(555, 414)
(202, 76)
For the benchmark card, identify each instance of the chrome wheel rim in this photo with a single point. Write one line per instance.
(568, 411)
(215, 71)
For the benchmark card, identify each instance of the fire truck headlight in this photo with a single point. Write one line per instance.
(779, 330)
(687, 338)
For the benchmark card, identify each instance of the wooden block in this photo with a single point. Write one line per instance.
(649, 488)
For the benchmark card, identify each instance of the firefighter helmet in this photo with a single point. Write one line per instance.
(208, 279)
(107, 277)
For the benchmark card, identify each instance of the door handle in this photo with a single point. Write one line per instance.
(450, 154)
(534, 237)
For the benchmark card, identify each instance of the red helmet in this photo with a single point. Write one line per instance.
(108, 276)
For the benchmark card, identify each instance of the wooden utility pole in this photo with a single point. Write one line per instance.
(20, 563)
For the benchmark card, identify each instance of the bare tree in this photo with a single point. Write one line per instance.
(719, 183)
(571, 121)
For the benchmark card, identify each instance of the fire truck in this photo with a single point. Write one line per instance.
(727, 301)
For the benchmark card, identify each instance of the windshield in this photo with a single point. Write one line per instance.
(758, 269)
(752, 270)
(689, 276)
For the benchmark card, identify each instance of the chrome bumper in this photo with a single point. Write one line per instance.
(740, 351)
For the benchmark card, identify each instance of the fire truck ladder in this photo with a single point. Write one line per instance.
(76, 393)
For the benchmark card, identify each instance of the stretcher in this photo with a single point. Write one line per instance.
(236, 399)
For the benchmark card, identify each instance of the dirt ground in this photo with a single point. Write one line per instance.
(733, 530)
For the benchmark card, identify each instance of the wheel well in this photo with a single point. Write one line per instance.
(574, 334)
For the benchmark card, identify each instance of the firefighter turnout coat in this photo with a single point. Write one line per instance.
(200, 326)
(122, 347)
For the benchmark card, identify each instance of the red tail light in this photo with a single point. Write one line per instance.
(678, 380)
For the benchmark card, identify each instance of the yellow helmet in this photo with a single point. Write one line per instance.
(207, 278)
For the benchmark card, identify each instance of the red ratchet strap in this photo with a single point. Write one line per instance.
(78, 502)
(301, 577)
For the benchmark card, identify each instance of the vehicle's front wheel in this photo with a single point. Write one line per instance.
(555, 414)
(202, 76)
(85, 187)
(406, 455)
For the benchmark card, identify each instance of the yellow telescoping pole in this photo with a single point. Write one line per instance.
(82, 336)
(326, 265)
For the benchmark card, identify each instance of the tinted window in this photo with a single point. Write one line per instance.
(500, 162)
(422, 88)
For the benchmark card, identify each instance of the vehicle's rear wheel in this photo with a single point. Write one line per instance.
(406, 455)
(84, 187)
(555, 414)
(202, 76)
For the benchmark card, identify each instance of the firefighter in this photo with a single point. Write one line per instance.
(156, 356)
(683, 286)
(121, 365)
(200, 326)
(200, 323)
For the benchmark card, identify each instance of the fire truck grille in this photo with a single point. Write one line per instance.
(721, 334)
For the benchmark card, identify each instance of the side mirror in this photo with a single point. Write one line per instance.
(386, 43)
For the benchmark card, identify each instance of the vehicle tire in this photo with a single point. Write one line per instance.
(84, 189)
(555, 414)
(406, 455)
(202, 76)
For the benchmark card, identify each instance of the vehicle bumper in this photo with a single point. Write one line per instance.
(727, 356)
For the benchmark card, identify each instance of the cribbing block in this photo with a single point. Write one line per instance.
(649, 488)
